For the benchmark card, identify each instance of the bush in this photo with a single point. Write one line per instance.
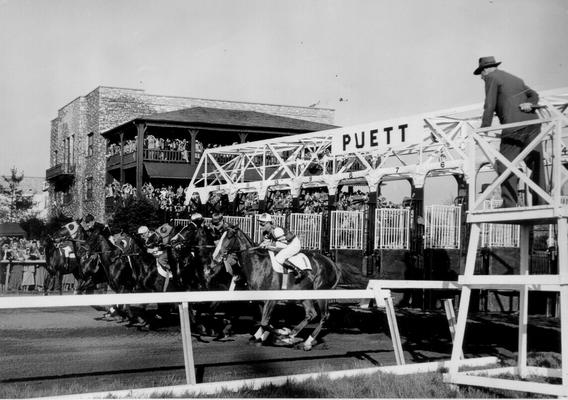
(132, 213)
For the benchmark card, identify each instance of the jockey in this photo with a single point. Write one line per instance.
(218, 225)
(154, 245)
(279, 237)
(93, 227)
(196, 220)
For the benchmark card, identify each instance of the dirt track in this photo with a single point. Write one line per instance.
(40, 345)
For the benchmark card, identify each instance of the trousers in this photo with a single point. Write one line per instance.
(512, 144)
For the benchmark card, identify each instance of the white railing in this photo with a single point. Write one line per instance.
(378, 290)
(308, 228)
(442, 227)
(347, 230)
(181, 222)
(392, 228)
(498, 235)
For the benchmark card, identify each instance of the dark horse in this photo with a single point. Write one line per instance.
(256, 266)
(193, 248)
(63, 254)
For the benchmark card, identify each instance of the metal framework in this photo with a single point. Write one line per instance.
(306, 160)
(552, 136)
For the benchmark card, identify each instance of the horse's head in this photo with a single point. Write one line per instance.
(227, 243)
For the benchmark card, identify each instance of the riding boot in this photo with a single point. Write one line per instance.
(299, 274)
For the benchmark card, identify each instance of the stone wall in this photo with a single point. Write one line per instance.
(107, 107)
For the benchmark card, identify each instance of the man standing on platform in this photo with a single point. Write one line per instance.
(507, 96)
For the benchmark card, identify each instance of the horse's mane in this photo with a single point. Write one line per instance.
(247, 237)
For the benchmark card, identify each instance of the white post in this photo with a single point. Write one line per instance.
(523, 300)
(563, 272)
(187, 348)
(457, 350)
(393, 327)
(451, 317)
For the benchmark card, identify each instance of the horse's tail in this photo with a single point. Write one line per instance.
(351, 276)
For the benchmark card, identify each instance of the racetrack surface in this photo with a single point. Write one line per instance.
(39, 346)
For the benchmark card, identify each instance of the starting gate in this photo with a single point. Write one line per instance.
(498, 235)
(442, 227)
(308, 228)
(347, 230)
(392, 228)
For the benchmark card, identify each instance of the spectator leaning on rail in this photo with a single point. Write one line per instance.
(281, 238)
(512, 101)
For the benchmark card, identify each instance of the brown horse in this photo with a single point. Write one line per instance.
(256, 266)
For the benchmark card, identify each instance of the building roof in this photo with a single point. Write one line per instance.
(250, 120)
(11, 229)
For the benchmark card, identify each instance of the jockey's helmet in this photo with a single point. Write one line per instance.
(143, 230)
(265, 217)
(196, 217)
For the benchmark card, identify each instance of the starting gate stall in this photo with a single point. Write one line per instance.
(392, 228)
(308, 228)
(442, 227)
(347, 230)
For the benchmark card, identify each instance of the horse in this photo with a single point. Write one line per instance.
(256, 266)
(130, 268)
(63, 253)
(193, 248)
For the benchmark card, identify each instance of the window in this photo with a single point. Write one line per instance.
(89, 188)
(90, 138)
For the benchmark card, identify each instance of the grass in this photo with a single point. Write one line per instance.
(380, 385)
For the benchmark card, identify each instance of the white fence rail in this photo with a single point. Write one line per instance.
(392, 228)
(442, 227)
(377, 290)
(347, 230)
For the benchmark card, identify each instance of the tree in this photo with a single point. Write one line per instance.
(16, 205)
(128, 216)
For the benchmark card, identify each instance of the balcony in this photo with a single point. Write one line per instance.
(61, 175)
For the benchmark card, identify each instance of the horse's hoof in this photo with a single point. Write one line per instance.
(283, 332)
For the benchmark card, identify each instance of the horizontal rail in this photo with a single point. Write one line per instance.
(16, 302)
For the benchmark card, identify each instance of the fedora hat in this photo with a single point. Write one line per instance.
(485, 62)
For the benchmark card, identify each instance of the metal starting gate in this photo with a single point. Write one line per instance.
(499, 235)
(347, 230)
(392, 228)
(308, 228)
(442, 227)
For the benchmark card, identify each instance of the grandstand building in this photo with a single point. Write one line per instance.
(104, 137)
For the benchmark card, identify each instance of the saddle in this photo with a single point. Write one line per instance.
(300, 260)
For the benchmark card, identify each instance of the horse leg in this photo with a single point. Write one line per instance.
(309, 314)
(324, 311)
(265, 329)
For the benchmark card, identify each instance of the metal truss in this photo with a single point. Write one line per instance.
(305, 160)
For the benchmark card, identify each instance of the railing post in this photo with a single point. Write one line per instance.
(187, 348)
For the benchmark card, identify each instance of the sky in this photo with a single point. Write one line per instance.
(369, 60)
